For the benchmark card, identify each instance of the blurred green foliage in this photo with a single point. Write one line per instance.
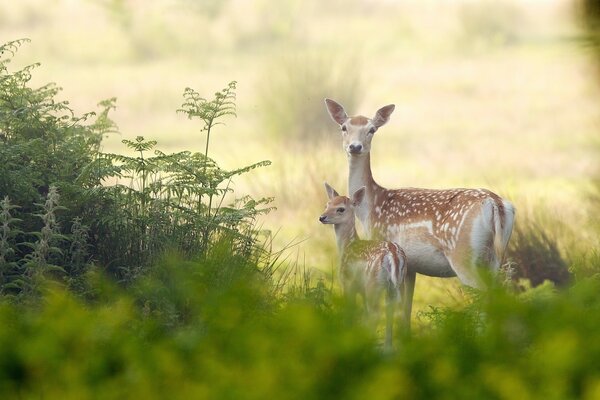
(219, 328)
(589, 13)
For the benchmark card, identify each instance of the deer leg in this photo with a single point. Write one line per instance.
(407, 297)
(372, 299)
(475, 252)
(391, 299)
(466, 271)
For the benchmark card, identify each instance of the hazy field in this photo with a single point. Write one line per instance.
(493, 93)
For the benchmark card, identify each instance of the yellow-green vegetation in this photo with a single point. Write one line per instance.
(132, 264)
(218, 328)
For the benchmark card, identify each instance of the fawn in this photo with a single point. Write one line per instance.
(367, 267)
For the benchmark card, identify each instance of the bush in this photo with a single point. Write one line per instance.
(42, 142)
(59, 217)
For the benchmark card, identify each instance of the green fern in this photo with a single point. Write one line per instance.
(209, 111)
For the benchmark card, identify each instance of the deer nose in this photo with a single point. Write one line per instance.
(322, 218)
(355, 148)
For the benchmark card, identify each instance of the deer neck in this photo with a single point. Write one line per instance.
(345, 235)
(360, 175)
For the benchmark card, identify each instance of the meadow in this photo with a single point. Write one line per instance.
(168, 244)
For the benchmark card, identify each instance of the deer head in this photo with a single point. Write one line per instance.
(357, 132)
(340, 209)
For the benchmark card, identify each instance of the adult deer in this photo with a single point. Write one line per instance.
(444, 233)
(367, 267)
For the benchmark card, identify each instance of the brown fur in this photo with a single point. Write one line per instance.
(359, 120)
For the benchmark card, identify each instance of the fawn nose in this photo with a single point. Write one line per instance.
(355, 147)
(322, 218)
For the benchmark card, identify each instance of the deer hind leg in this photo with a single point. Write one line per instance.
(372, 299)
(394, 296)
(466, 273)
(373, 292)
(408, 290)
(351, 292)
(474, 248)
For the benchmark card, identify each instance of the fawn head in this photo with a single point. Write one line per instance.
(357, 132)
(340, 209)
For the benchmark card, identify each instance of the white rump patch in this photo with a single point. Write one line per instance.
(482, 235)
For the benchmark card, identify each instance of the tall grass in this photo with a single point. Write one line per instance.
(490, 23)
(534, 252)
(293, 87)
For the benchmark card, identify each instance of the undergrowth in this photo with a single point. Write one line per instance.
(218, 328)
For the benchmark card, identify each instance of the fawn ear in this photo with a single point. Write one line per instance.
(331, 193)
(358, 196)
(382, 116)
(336, 111)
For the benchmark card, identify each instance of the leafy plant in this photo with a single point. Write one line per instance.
(42, 142)
(209, 112)
(77, 257)
(46, 255)
(8, 232)
(167, 201)
(181, 201)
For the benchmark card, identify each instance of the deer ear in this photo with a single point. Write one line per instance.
(382, 116)
(331, 193)
(336, 111)
(358, 196)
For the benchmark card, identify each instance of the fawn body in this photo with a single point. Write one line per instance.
(368, 267)
(444, 233)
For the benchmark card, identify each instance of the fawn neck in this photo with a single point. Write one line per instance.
(345, 234)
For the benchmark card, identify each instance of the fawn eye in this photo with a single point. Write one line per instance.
(344, 129)
(372, 131)
(340, 210)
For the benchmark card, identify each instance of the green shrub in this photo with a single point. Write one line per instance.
(217, 328)
(160, 202)
(42, 142)
(169, 201)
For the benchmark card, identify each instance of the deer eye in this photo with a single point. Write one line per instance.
(344, 129)
(372, 130)
(340, 210)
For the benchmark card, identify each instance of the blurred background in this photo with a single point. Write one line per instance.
(493, 93)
